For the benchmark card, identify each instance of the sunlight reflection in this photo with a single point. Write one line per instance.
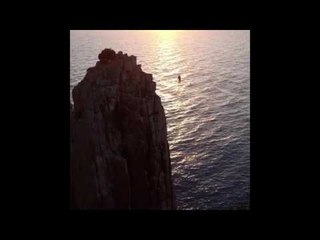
(168, 55)
(171, 63)
(169, 34)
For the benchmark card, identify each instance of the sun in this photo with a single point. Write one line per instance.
(165, 33)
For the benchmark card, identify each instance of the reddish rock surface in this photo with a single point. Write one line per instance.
(119, 150)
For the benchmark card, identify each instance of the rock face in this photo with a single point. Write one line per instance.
(119, 150)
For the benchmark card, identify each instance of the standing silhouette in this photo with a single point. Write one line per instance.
(179, 78)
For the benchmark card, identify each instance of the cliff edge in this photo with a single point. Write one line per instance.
(119, 150)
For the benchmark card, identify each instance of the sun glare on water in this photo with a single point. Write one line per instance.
(166, 34)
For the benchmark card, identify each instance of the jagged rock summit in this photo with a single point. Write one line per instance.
(119, 150)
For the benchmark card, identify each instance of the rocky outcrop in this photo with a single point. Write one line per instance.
(119, 150)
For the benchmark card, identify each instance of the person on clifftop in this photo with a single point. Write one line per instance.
(179, 78)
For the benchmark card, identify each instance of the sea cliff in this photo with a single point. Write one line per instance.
(119, 149)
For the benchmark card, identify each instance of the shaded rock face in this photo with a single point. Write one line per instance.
(119, 149)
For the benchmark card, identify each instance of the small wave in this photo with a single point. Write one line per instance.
(208, 115)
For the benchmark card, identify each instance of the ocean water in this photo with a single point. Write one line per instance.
(208, 112)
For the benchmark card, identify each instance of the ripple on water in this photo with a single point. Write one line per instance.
(208, 113)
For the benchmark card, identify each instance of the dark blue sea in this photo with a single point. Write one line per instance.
(208, 112)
